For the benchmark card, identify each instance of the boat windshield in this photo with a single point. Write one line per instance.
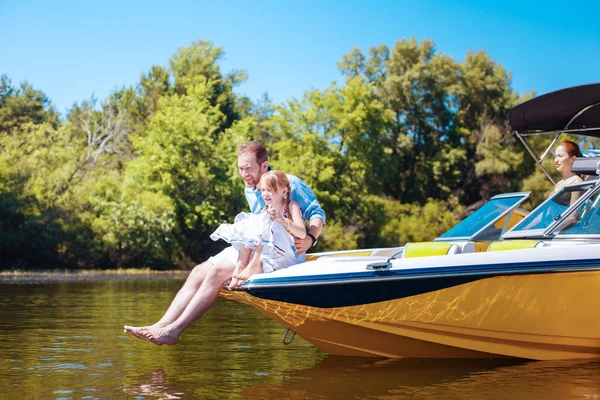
(486, 216)
(585, 220)
(550, 210)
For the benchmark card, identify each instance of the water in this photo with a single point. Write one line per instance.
(65, 341)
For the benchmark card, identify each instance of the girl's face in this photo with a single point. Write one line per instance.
(563, 160)
(271, 197)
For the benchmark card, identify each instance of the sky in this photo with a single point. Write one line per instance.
(73, 50)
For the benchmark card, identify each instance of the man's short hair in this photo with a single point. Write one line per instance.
(256, 148)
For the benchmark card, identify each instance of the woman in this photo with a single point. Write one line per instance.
(564, 156)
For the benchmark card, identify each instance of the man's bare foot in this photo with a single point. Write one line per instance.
(140, 332)
(165, 335)
(143, 332)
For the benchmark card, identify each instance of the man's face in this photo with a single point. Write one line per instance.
(250, 170)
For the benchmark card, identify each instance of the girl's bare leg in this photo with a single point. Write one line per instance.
(254, 267)
(242, 262)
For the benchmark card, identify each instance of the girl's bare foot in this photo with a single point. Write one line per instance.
(253, 268)
(235, 281)
(239, 267)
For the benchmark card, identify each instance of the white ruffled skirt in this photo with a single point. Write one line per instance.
(250, 230)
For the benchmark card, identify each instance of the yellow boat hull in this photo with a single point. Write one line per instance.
(538, 316)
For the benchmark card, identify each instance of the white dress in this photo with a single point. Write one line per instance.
(250, 230)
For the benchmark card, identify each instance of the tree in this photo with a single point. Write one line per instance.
(201, 59)
(19, 106)
(186, 165)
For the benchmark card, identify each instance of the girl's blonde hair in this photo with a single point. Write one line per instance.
(275, 181)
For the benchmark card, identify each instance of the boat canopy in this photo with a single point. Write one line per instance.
(572, 109)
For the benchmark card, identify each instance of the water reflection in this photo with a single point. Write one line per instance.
(64, 340)
(342, 378)
(155, 385)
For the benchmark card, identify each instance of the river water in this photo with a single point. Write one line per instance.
(64, 340)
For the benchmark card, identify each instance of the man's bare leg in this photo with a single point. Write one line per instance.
(201, 302)
(179, 303)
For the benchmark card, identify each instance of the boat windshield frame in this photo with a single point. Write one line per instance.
(524, 196)
(590, 188)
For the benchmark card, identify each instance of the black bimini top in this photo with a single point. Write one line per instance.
(576, 108)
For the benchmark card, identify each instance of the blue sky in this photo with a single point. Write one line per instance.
(72, 50)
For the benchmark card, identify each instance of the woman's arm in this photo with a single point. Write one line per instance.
(576, 195)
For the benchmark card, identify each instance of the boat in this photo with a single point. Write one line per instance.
(502, 283)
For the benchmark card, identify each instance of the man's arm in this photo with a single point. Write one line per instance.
(315, 226)
(311, 211)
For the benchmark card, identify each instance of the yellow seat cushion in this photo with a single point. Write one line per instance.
(428, 249)
(513, 245)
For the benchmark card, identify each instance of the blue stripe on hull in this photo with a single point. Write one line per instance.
(361, 292)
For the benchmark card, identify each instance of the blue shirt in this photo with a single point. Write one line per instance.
(301, 194)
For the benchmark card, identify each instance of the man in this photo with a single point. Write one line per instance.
(201, 289)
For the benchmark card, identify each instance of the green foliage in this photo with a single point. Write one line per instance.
(337, 237)
(540, 187)
(498, 162)
(135, 234)
(201, 59)
(416, 223)
(21, 105)
(29, 232)
(388, 223)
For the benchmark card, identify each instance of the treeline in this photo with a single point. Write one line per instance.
(400, 151)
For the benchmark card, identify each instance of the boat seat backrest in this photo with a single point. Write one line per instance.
(428, 249)
(516, 245)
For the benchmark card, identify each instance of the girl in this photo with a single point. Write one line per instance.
(264, 240)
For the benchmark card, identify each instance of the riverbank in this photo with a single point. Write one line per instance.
(89, 276)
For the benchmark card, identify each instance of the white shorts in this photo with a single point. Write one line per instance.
(228, 254)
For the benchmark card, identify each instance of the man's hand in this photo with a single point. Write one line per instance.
(302, 245)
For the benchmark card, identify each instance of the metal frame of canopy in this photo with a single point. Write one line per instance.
(571, 110)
